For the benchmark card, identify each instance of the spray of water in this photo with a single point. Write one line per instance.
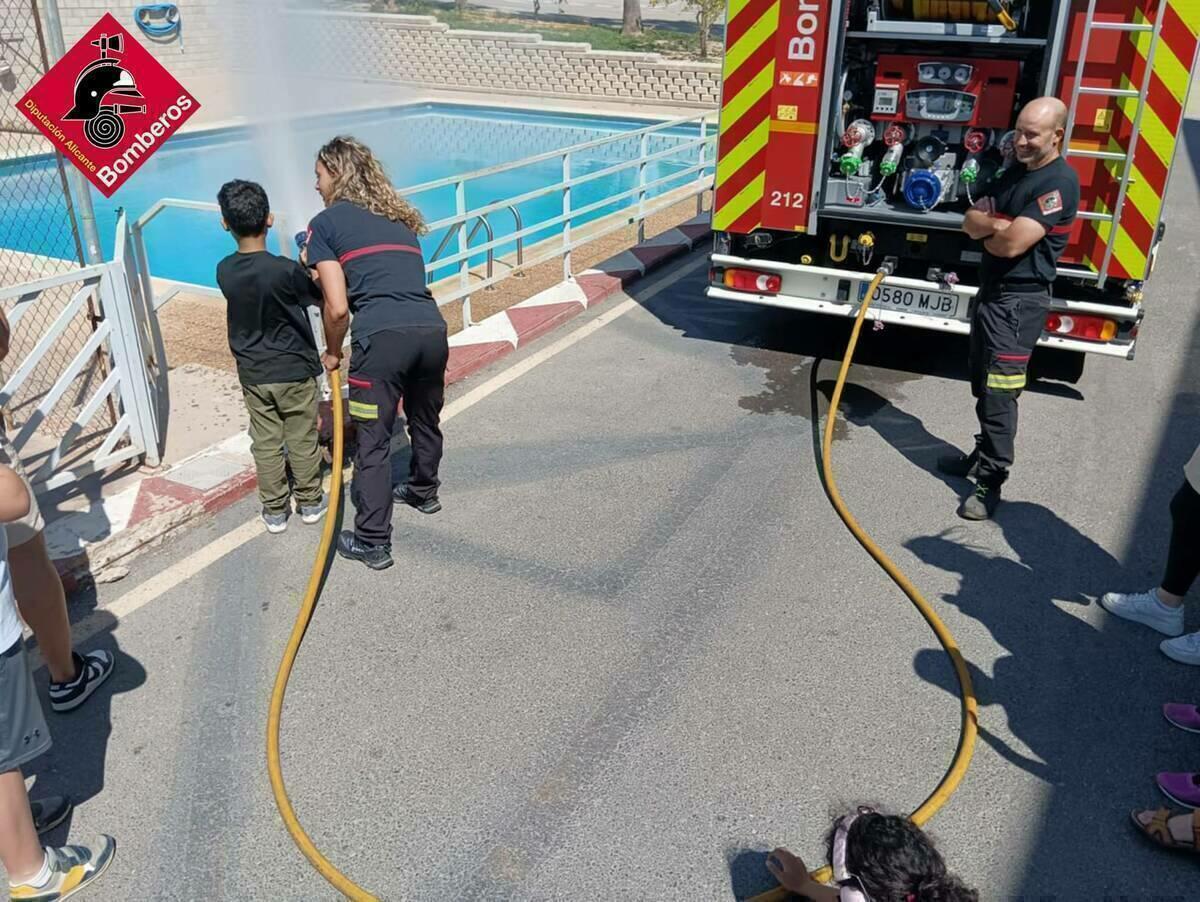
(273, 92)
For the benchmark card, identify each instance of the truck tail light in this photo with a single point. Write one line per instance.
(1089, 328)
(749, 280)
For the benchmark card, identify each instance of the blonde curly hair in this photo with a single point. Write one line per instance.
(359, 177)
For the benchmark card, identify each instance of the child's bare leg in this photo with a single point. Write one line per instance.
(43, 605)
(20, 850)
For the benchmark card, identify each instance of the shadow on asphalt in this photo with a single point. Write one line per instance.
(76, 763)
(1084, 701)
(1081, 701)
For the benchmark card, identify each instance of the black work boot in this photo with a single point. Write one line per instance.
(377, 557)
(404, 495)
(964, 466)
(982, 503)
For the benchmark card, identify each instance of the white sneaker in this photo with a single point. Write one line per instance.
(1144, 607)
(1185, 649)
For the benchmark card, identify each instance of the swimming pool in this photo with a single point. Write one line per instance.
(418, 143)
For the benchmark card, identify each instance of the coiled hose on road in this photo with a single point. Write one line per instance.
(324, 558)
(970, 721)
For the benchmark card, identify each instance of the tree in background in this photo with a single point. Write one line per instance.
(708, 13)
(631, 18)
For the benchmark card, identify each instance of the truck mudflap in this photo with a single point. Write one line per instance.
(1110, 330)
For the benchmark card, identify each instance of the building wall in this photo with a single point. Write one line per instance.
(418, 50)
(414, 50)
(200, 51)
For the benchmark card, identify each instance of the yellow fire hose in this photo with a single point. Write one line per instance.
(968, 729)
(324, 866)
(936, 799)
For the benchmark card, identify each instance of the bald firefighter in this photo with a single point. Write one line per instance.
(1024, 221)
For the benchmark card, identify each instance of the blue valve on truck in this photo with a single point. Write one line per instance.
(922, 189)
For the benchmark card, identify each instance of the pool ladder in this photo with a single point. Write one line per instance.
(481, 222)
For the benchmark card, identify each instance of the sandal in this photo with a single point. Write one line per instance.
(1158, 830)
(1183, 789)
(1186, 717)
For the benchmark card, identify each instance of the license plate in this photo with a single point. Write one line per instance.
(914, 300)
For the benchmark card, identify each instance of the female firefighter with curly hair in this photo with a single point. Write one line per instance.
(364, 245)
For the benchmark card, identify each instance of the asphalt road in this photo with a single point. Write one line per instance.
(637, 648)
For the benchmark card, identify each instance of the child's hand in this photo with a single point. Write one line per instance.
(788, 869)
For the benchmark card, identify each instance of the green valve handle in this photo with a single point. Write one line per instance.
(887, 167)
(849, 164)
(969, 174)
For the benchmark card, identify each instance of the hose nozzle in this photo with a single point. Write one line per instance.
(1002, 13)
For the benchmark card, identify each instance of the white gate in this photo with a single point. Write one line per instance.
(123, 333)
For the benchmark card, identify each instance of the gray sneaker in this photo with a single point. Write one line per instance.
(312, 513)
(275, 523)
(1145, 608)
(71, 869)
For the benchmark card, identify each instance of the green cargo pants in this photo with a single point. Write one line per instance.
(284, 414)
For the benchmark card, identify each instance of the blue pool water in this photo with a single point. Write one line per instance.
(418, 143)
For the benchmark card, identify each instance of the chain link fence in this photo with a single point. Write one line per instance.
(38, 237)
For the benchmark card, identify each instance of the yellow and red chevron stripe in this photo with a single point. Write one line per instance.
(749, 75)
(1172, 52)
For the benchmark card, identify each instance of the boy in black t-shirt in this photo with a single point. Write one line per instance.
(277, 362)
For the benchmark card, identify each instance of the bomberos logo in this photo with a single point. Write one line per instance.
(107, 105)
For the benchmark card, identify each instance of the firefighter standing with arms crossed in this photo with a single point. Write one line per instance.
(1024, 222)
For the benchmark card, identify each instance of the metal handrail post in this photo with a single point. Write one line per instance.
(643, 146)
(464, 264)
(566, 206)
(700, 163)
(520, 240)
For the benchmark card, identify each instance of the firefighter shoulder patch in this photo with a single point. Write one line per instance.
(1050, 202)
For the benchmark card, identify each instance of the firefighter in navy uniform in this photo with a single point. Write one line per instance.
(1024, 222)
(365, 247)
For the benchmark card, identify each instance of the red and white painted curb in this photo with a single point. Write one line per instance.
(91, 542)
(501, 334)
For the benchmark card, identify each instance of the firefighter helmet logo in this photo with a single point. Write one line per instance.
(103, 91)
(1050, 202)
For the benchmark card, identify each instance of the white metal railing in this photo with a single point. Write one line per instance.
(115, 333)
(634, 206)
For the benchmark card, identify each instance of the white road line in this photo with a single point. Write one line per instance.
(163, 582)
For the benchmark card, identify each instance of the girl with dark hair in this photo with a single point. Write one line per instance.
(365, 247)
(875, 858)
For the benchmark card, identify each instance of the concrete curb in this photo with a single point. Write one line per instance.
(91, 544)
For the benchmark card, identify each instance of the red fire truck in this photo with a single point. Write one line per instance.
(857, 130)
